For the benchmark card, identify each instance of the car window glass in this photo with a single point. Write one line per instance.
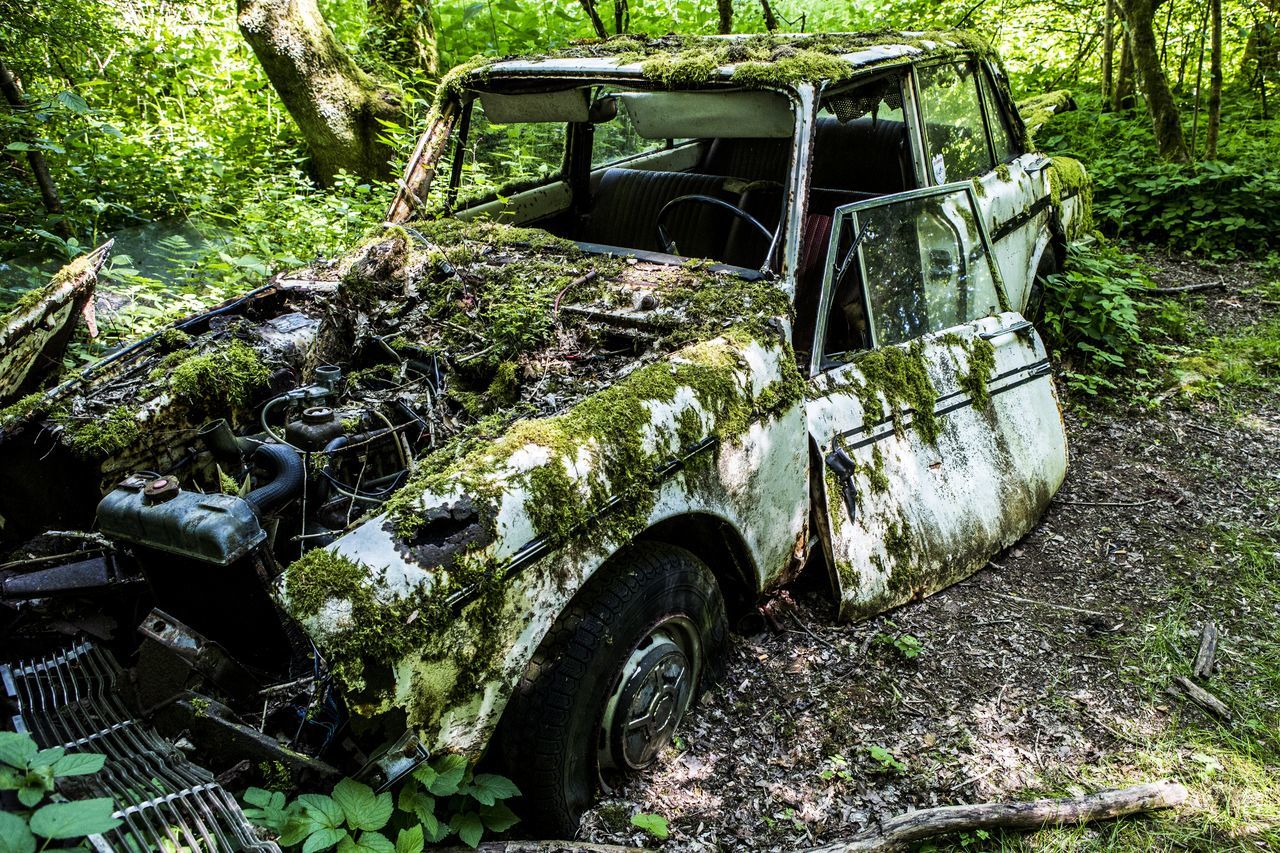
(1001, 137)
(925, 268)
(500, 158)
(860, 144)
(953, 129)
(616, 140)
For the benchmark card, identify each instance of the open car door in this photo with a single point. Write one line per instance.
(932, 406)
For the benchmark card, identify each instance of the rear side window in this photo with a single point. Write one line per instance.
(953, 126)
(498, 159)
(1001, 137)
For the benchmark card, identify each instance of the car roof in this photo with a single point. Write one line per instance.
(758, 61)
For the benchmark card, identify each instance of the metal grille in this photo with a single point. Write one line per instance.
(163, 800)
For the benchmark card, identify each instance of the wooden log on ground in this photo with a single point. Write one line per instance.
(1203, 697)
(1188, 288)
(901, 832)
(542, 847)
(1208, 647)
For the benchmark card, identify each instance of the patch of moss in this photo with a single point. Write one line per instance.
(1002, 172)
(905, 575)
(100, 437)
(982, 361)
(504, 390)
(20, 410)
(170, 340)
(681, 70)
(793, 66)
(224, 378)
(899, 377)
(1038, 109)
(1067, 176)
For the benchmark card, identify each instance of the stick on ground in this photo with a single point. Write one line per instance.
(900, 832)
(1208, 646)
(1203, 697)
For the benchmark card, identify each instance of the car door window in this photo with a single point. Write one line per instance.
(953, 128)
(904, 267)
(998, 120)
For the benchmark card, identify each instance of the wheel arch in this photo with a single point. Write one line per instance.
(721, 546)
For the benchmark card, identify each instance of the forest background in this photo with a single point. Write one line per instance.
(155, 120)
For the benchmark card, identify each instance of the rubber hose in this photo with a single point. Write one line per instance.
(287, 482)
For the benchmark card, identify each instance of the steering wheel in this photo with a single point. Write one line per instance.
(669, 245)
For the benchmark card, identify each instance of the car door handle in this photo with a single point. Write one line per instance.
(1038, 166)
(844, 468)
(1022, 327)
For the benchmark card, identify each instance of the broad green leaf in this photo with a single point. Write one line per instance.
(78, 764)
(46, 756)
(73, 102)
(323, 810)
(654, 824)
(448, 776)
(74, 820)
(15, 837)
(323, 839)
(498, 817)
(16, 749)
(363, 808)
(488, 788)
(468, 826)
(410, 840)
(262, 798)
(17, 146)
(366, 842)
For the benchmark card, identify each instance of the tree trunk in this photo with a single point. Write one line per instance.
(1108, 55)
(621, 17)
(35, 158)
(334, 103)
(770, 19)
(1215, 81)
(1124, 99)
(589, 6)
(405, 33)
(725, 8)
(1146, 62)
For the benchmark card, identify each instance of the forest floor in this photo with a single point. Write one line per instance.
(1049, 672)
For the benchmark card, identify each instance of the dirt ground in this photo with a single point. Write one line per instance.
(1025, 677)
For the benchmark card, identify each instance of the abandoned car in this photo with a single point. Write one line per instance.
(652, 326)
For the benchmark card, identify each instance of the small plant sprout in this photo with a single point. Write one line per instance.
(654, 824)
(886, 759)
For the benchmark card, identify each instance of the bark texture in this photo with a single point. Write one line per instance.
(1123, 98)
(597, 24)
(1140, 15)
(725, 9)
(1215, 80)
(1108, 54)
(35, 158)
(335, 104)
(406, 34)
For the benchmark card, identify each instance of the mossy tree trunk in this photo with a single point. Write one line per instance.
(335, 104)
(725, 10)
(1146, 62)
(597, 24)
(1122, 98)
(1108, 53)
(405, 33)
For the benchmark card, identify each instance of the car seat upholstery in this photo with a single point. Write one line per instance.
(627, 202)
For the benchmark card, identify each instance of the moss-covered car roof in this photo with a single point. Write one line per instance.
(754, 61)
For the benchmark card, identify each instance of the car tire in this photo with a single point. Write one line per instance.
(612, 679)
(1035, 297)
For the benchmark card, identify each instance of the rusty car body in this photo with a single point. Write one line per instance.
(495, 482)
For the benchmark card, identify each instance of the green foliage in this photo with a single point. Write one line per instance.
(886, 759)
(33, 773)
(439, 800)
(654, 824)
(1222, 207)
(1091, 314)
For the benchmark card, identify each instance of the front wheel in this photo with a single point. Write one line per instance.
(612, 680)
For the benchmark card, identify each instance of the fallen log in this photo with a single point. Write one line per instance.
(900, 832)
(1208, 647)
(1203, 698)
(1189, 288)
(542, 847)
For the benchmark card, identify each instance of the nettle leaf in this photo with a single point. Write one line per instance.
(16, 749)
(410, 840)
(46, 756)
(498, 817)
(654, 824)
(78, 764)
(488, 788)
(469, 827)
(74, 820)
(363, 808)
(366, 842)
(323, 810)
(73, 102)
(15, 837)
(10, 778)
(263, 798)
(444, 779)
(323, 839)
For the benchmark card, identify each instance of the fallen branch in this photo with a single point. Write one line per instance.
(1208, 646)
(1203, 698)
(1189, 288)
(1065, 607)
(900, 832)
(542, 847)
(1105, 503)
